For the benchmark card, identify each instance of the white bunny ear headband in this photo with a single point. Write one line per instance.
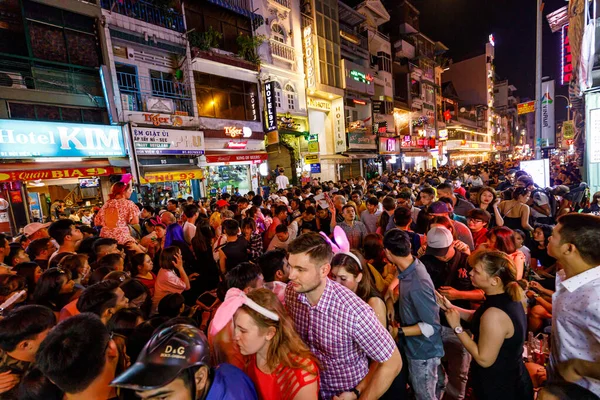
(341, 245)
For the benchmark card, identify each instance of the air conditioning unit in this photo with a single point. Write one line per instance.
(12, 80)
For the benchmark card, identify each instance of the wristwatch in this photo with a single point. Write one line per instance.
(356, 392)
(458, 329)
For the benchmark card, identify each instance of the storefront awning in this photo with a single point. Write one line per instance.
(417, 154)
(363, 156)
(256, 19)
(170, 176)
(22, 173)
(256, 157)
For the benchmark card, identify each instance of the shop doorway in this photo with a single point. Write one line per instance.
(282, 154)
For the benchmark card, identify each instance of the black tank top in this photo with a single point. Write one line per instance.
(507, 378)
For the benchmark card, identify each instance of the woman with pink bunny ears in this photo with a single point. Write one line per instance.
(278, 362)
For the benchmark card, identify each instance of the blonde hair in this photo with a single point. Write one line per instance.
(287, 348)
(498, 263)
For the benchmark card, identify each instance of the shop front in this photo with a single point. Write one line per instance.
(168, 162)
(233, 156)
(389, 149)
(287, 144)
(417, 152)
(47, 161)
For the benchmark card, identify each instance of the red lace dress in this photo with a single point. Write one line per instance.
(284, 383)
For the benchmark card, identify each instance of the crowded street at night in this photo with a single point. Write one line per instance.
(299, 200)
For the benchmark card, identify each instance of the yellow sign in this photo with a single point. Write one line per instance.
(526, 108)
(319, 104)
(568, 130)
(311, 159)
(313, 147)
(168, 176)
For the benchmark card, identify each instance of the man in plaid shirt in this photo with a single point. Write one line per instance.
(340, 328)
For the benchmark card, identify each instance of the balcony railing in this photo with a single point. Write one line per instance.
(20, 73)
(147, 12)
(141, 93)
(282, 51)
(285, 3)
(243, 4)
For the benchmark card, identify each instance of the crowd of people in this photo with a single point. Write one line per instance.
(454, 283)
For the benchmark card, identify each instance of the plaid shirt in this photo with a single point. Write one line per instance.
(343, 332)
(255, 249)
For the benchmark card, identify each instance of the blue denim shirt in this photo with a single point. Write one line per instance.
(417, 304)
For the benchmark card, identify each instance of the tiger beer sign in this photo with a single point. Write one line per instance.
(58, 173)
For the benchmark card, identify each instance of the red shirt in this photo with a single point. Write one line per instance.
(462, 191)
(284, 383)
(479, 237)
(149, 283)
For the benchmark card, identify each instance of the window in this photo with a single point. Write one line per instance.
(384, 61)
(129, 87)
(55, 113)
(200, 16)
(278, 33)
(291, 97)
(62, 36)
(278, 94)
(226, 98)
(162, 83)
(329, 44)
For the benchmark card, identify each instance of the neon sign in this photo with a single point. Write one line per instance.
(566, 60)
(236, 145)
(234, 131)
(309, 55)
(361, 77)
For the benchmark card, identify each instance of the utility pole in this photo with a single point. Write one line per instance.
(538, 82)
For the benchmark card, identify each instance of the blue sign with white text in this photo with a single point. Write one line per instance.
(315, 168)
(20, 139)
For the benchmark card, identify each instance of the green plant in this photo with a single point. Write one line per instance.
(206, 40)
(248, 47)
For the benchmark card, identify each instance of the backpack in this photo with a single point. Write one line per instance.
(551, 200)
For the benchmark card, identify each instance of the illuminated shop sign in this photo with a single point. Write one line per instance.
(236, 145)
(309, 56)
(270, 107)
(361, 77)
(566, 64)
(234, 131)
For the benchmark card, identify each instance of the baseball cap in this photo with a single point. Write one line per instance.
(438, 207)
(32, 228)
(439, 240)
(165, 357)
(222, 203)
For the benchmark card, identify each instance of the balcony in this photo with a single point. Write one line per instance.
(282, 51)
(27, 75)
(142, 93)
(283, 3)
(403, 49)
(147, 12)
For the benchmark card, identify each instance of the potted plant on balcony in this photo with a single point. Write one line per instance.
(204, 41)
(248, 48)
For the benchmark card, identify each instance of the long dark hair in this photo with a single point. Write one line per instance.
(546, 230)
(137, 261)
(366, 288)
(167, 257)
(201, 242)
(27, 270)
(47, 290)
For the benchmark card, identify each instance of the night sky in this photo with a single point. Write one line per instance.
(464, 27)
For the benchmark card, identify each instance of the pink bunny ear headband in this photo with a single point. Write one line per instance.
(234, 299)
(342, 246)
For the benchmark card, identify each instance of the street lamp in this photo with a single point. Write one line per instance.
(569, 105)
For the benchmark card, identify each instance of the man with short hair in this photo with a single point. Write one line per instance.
(40, 251)
(168, 218)
(449, 271)
(105, 246)
(187, 373)
(80, 357)
(282, 181)
(539, 202)
(403, 221)
(477, 222)
(354, 230)
(339, 202)
(370, 216)
(279, 216)
(103, 299)
(274, 266)
(235, 251)
(419, 313)
(22, 331)
(284, 234)
(339, 328)
(458, 188)
(356, 197)
(4, 252)
(426, 197)
(404, 199)
(461, 206)
(191, 212)
(67, 235)
(439, 208)
(35, 230)
(576, 302)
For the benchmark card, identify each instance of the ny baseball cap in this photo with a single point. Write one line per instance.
(32, 228)
(439, 240)
(165, 357)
